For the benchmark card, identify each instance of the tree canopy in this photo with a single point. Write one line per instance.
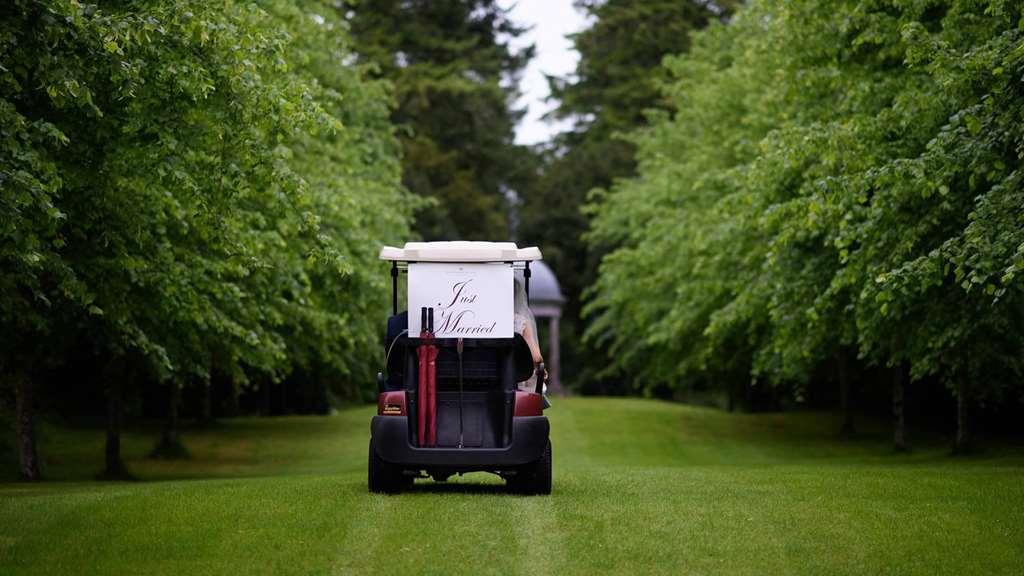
(841, 175)
(454, 76)
(616, 83)
(202, 186)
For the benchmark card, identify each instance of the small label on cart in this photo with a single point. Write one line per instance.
(392, 409)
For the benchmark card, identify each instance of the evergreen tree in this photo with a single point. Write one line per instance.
(454, 78)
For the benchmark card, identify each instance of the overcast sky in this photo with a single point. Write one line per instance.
(551, 21)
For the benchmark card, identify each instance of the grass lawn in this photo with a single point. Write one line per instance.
(640, 487)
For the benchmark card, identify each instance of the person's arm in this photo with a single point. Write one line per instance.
(538, 359)
(531, 341)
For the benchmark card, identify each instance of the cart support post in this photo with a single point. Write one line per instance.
(458, 349)
(526, 277)
(394, 288)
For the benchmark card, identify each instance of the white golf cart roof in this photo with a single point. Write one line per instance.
(459, 251)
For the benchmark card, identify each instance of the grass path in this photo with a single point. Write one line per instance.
(640, 487)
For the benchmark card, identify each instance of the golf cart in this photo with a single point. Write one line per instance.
(448, 398)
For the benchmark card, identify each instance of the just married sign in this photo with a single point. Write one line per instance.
(469, 300)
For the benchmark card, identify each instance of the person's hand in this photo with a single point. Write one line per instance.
(542, 373)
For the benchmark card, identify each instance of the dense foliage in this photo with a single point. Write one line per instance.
(616, 81)
(455, 81)
(195, 191)
(191, 187)
(838, 177)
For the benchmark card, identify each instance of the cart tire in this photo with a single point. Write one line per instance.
(542, 478)
(382, 477)
(534, 478)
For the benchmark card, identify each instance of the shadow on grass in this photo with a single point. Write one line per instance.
(429, 487)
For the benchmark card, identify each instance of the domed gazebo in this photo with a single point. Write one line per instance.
(546, 301)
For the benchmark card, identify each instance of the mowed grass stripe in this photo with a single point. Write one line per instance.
(542, 549)
(639, 487)
(363, 543)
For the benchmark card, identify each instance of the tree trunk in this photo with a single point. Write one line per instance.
(846, 395)
(206, 404)
(171, 426)
(899, 432)
(26, 432)
(265, 393)
(230, 405)
(114, 374)
(170, 445)
(963, 424)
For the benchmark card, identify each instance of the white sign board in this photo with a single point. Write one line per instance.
(469, 300)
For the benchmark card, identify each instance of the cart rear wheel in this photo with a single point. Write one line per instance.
(534, 478)
(383, 477)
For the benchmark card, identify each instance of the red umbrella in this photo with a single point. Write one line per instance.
(427, 381)
(431, 388)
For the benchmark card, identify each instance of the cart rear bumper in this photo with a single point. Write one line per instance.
(391, 439)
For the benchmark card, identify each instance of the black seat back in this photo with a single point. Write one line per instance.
(481, 365)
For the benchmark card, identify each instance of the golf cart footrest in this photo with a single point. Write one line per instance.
(391, 438)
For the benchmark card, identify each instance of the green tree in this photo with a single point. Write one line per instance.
(838, 178)
(454, 78)
(616, 83)
(357, 204)
(158, 166)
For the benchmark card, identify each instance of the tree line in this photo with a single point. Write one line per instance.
(834, 188)
(192, 191)
(765, 199)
